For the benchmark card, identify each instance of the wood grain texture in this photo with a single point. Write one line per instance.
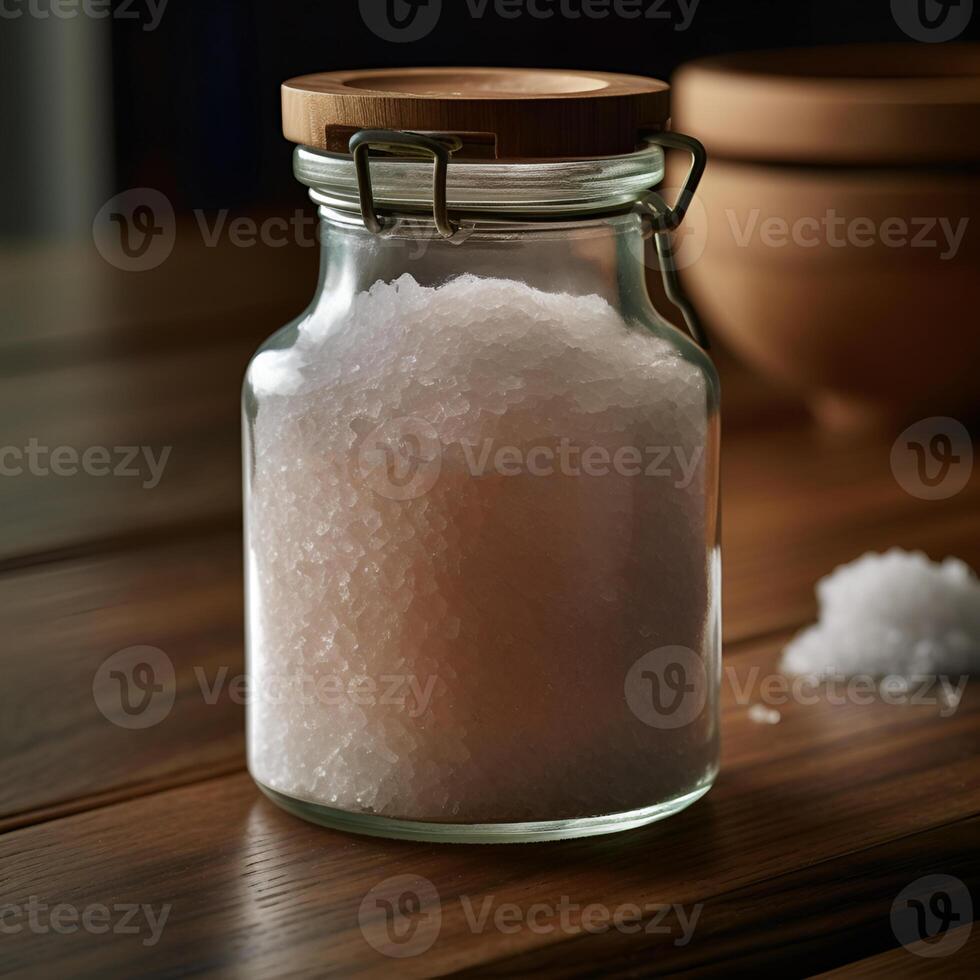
(808, 832)
(185, 600)
(895, 963)
(180, 410)
(526, 113)
(780, 926)
(796, 504)
(65, 302)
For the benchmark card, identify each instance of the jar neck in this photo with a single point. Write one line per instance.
(601, 256)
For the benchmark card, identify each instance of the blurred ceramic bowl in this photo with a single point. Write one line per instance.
(838, 246)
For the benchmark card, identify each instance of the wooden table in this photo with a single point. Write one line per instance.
(791, 863)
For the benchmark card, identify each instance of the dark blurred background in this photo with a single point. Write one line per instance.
(183, 95)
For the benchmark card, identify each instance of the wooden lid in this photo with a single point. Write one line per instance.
(499, 113)
(855, 104)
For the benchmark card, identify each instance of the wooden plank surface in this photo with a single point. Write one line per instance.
(180, 410)
(894, 963)
(794, 858)
(796, 504)
(184, 601)
(65, 300)
(252, 889)
(778, 926)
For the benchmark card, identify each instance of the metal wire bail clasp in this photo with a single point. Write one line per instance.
(404, 143)
(666, 219)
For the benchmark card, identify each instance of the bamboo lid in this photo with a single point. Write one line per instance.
(498, 113)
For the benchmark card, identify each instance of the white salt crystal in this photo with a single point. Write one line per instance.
(896, 613)
(510, 607)
(762, 715)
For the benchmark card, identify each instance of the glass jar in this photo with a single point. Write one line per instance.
(481, 509)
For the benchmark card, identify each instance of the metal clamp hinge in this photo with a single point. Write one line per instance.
(666, 219)
(404, 143)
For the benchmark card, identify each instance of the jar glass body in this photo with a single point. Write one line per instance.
(481, 509)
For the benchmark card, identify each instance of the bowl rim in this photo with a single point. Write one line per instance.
(859, 104)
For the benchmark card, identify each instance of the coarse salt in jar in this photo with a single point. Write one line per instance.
(481, 472)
